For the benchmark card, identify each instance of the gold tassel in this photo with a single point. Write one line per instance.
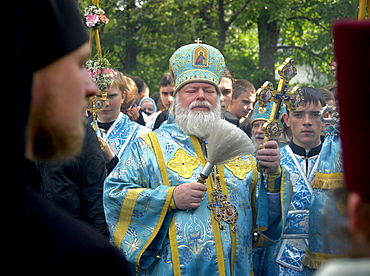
(328, 181)
(316, 259)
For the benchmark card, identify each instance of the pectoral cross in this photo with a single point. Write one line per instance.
(279, 97)
(223, 210)
(216, 206)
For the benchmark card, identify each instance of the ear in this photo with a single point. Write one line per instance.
(286, 117)
(229, 108)
(353, 207)
(123, 98)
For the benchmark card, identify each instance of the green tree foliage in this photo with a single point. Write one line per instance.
(255, 36)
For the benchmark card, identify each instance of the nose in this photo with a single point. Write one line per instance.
(201, 95)
(91, 89)
(260, 129)
(106, 103)
(222, 99)
(249, 107)
(170, 99)
(307, 121)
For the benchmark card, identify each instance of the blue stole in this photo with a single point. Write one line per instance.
(120, 134)
(285, 257)
(328, 208)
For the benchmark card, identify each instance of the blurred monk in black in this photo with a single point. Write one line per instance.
(44, 52)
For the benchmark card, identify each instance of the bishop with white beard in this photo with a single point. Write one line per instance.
(161, 218)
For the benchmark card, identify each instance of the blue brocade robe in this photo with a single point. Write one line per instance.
(122, 132)
(285, 257)
(327, 240)
(159, 240)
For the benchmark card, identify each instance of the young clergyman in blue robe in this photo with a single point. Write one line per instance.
(301, 159)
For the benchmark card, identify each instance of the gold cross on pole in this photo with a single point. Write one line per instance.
(279, 97)
(198, 40)
(362, 9)
(96, 103)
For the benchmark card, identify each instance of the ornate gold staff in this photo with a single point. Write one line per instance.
(99, 70)
(266, 94)
(279, 97)
(362, 9)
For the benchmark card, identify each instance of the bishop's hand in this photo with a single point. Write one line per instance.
(269, 156)
(189, 195)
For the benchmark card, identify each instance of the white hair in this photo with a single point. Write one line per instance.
(197, 123)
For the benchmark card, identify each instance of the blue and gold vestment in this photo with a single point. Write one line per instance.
(317, 215)
(327, 239)
(285, 257)
(158, 239)
(122, 132)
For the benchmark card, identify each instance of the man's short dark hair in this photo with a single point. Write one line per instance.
(227, 74)
(139, 83)
(166, 80)
(241, 86)
(312, 96)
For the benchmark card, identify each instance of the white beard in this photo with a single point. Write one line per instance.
(197, 123)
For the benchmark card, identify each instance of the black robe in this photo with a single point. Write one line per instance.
(38, 237)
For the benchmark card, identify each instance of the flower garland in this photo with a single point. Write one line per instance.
(95, 17)
(100, 72)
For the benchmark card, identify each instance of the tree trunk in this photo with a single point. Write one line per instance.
(223, 25)
(129, 35)
(268, 34)
(130, 58)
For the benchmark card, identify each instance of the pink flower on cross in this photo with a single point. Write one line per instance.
(91, 20)
(108, 73)
(103, 19)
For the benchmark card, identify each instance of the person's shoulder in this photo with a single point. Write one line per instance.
(142, 130)
(127, 124)
(170, 129)
(231, 118)
(64, 243)
(283, 148)
(345, 267)
(160, 119)
(126, 119)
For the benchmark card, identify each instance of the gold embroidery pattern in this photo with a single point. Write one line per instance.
(238, 167)
(183, 163)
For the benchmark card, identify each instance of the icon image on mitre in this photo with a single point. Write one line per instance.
(200, 57)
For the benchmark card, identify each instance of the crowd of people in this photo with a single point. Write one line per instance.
(126, 197)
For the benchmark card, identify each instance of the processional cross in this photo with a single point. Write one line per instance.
(279, 97)
(96, 103)
(362, 9)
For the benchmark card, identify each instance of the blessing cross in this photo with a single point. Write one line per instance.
(198, 40)
(279, 97)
